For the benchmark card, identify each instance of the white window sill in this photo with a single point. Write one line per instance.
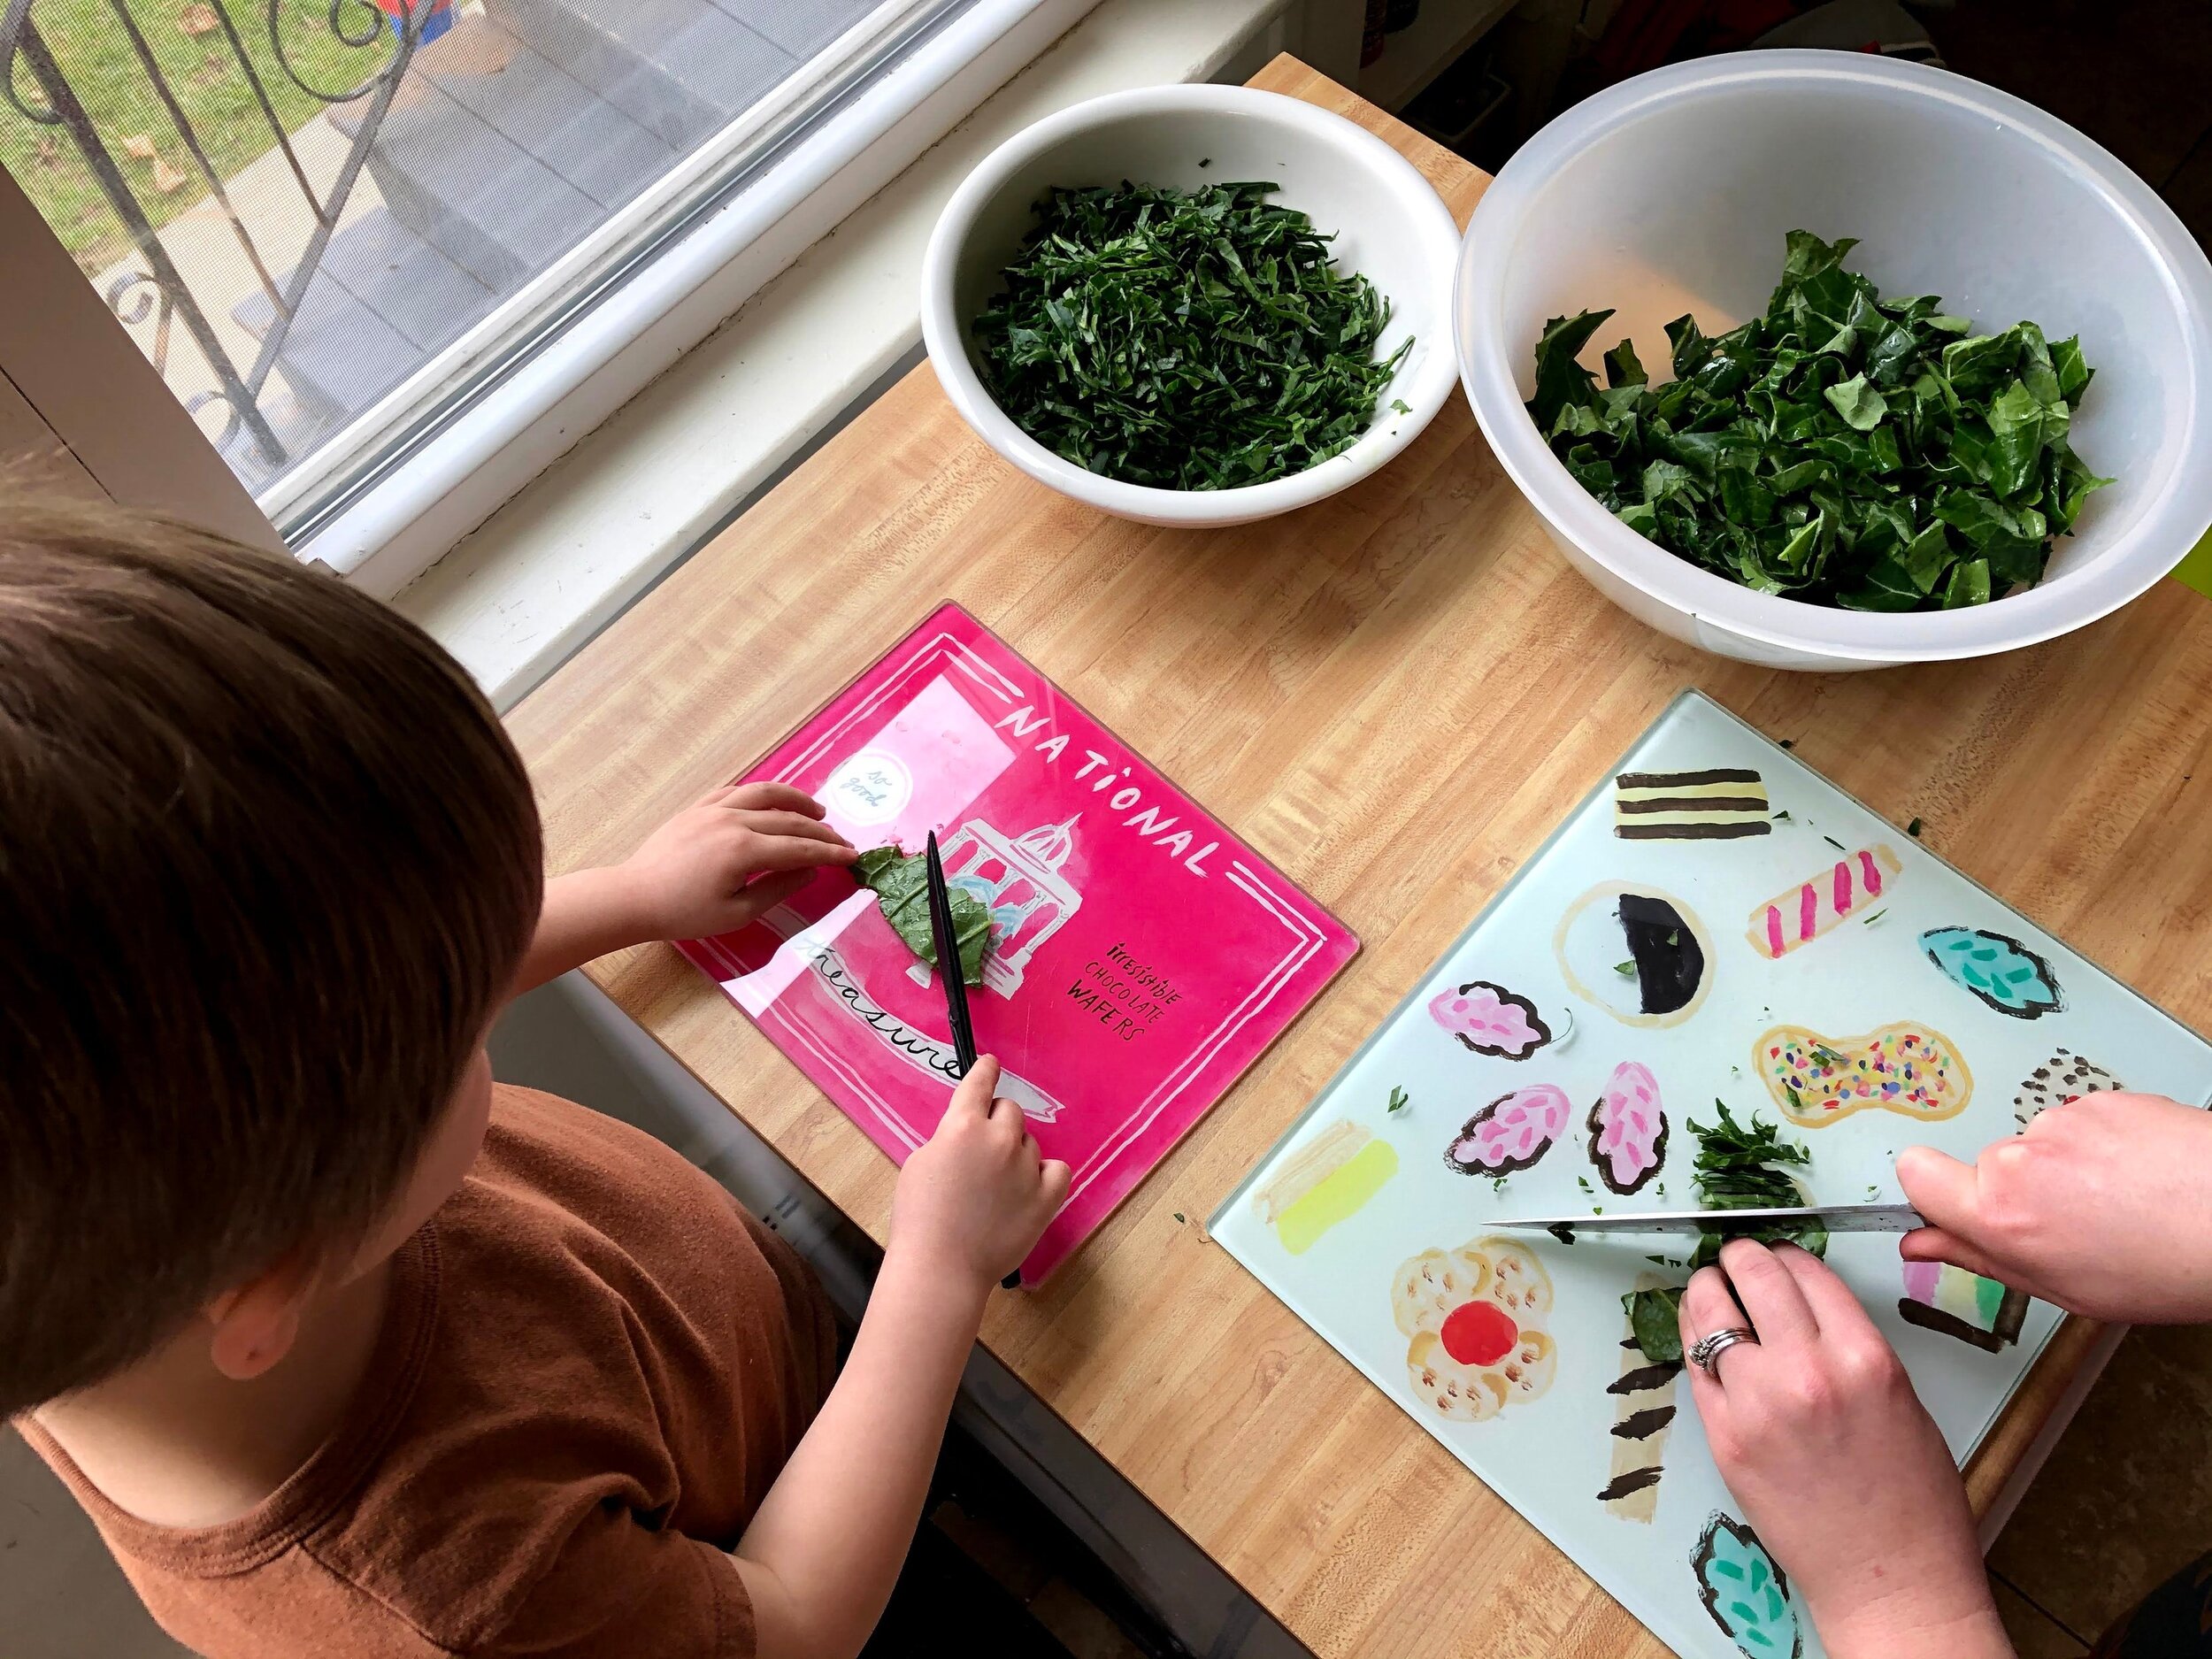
(580, 541)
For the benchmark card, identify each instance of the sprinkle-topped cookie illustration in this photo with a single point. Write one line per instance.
(1853, 886)
(1717, 803)
(1905, 1067)
(1512, 1132)
(1490, 1019)
(1475, 1318)
(1628, 1130)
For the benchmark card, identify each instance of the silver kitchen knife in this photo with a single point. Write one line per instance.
(1827, 1217)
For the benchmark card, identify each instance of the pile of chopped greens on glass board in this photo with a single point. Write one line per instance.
(1184, 340)
(1843, 449)
(1734, 1171)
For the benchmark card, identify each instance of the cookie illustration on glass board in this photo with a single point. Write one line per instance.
(1716, 803)
(1327, 1180)
(1643, 1415)
(1847, 888)
(1512, 1132)
(1628, 1129)
(1906, 1068)
(1745, 1592)
(1942, 1298)
(2063, 1077)
(1475, 1321)
(1640, 955)
(2000, 971)
(1487, 1018)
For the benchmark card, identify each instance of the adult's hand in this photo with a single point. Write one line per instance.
(1836, 1465)
(2103, 1206)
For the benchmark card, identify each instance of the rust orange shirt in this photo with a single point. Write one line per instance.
(592, 1366)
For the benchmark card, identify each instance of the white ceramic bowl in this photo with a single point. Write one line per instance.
(1389, 223)
(1671, 192)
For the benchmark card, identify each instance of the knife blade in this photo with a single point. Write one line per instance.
(1828, 1218)
(946, 937)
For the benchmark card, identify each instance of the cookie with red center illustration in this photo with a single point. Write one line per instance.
(1475, 1319)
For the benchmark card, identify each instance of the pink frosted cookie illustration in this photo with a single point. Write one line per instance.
(1490, 1019)
(1628, 1131)
(1512, 1132)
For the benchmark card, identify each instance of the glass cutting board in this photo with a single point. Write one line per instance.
(1714, 921)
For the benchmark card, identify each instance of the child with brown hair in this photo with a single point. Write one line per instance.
(347, 1348)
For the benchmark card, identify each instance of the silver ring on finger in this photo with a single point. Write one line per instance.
(1706, 1351)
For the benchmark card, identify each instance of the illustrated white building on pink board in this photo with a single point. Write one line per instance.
(1019, 882)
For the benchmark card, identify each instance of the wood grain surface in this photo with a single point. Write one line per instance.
(1394, 695)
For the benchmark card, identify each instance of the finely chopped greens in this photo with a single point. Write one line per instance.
(1185, 340)
(1734, 1170)
(1842, 449)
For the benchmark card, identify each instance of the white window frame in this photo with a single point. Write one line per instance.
(77, 373)
(89, 384)
(446, 483)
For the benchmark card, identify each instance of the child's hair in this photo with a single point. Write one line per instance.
(268, 864)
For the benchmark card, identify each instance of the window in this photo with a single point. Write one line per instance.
(332, 225)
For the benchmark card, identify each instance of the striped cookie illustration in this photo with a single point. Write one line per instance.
(1905, 1067)
(1950, 1299)
(1850, 886)
(1643, 1417)
(2064, 1077)
(1628, 1130)
(1327, 1180)
(1475, 1318)
(1512, 1132)
(1718, 803)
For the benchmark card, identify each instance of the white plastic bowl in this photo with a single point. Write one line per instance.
(1389, 223)
(1671, 193)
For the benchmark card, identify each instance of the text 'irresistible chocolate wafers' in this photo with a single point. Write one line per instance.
(1719, 804)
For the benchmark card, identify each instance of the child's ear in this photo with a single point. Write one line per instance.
(257, 1323)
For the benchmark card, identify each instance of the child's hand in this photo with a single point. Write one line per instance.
(1839, 1467)
(977, 1195)
(2102, 1205)
(694, 875)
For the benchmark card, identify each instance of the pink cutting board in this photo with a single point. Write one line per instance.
(1142, 956)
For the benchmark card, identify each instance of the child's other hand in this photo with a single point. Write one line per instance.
(1838, 1466)
(695, 875)
(2102, 1205)
(977, 1195)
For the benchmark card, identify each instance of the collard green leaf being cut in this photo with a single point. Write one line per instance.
(1184, 340)
(902, 888)
(1655, 1320)
(1734, 1170)
(1842, 448)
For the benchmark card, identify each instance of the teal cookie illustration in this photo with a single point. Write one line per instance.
(1745, 1592)
(2002, 971)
